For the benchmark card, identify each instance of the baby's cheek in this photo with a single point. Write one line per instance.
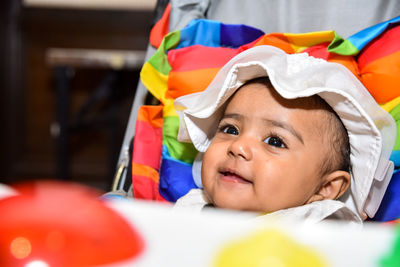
(208, 170)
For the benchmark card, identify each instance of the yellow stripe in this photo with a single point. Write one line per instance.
(154, 81)
(301, 41)
(391, 104)
(157, 84)
(180, 108)
(169, 109)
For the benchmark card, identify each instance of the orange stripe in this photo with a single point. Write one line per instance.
(277, 40)
(187, 82)
(151, 114)
(347, 61)
(381, 78)
(143, 170)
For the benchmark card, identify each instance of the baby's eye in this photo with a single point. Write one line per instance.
(275, 141)
(229, 129)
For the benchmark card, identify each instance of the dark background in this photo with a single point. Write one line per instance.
(28, 98)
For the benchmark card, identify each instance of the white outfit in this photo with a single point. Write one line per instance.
(315, 212)
(371, 130)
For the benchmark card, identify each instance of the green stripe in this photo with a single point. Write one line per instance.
(342, 47)
(182, 151)
(395, 112)
(159, 60)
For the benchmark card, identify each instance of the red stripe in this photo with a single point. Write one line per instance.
(384, 45)
(394, 222)
(147, 145)
(199, 57)
(161, 28)
(318, 51)
(146, 188)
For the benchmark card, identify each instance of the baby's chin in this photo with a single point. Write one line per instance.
(235, 205)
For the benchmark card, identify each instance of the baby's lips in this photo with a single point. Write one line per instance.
(233, 177)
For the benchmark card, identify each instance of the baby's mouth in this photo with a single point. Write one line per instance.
(233, 177)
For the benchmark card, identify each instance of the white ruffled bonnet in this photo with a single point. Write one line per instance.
(371, 130)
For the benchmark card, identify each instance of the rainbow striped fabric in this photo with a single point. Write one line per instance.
(186, 62)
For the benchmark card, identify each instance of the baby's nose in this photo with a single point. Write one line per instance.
(241, 147)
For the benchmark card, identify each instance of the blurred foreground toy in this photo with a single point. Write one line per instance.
(392, 259)
(61, 224)
(268, 248)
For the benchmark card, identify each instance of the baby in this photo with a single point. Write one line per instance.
(288, 134)
(270, 153)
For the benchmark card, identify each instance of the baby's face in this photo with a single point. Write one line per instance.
(266, 154)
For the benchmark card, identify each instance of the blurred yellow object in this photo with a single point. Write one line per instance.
(270, 248)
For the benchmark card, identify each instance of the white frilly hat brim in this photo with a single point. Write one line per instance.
(371, 130)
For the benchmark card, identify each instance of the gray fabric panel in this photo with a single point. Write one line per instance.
(344, 16)
(183, 11)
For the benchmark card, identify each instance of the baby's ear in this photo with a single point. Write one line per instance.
(333, 186)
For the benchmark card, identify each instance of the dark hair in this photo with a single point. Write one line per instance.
(339, 142)
(335, 132)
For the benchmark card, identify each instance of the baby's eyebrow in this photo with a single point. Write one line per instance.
(285, 126)
(231, 116)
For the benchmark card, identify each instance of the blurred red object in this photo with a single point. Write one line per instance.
(62, 224)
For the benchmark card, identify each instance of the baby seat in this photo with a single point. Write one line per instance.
(160, 167)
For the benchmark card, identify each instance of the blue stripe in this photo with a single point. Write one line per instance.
(362, 38)
(395, 157)
(176, 178)
(238, 35)
(201, 32)
(389, 209)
